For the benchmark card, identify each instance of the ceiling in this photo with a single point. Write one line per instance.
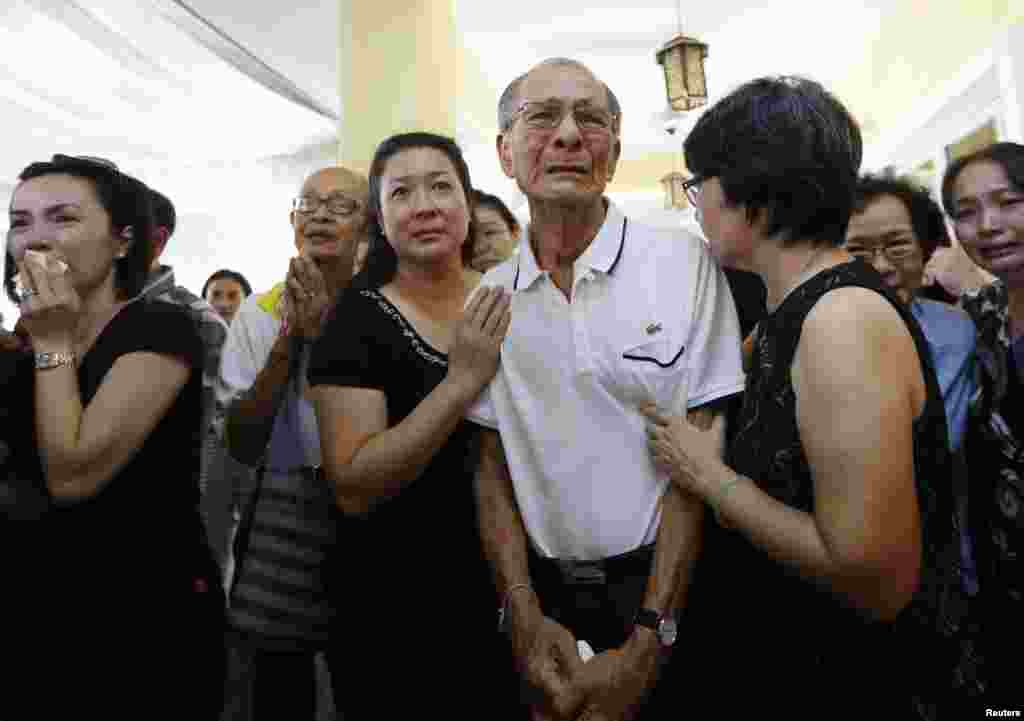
(228, 102)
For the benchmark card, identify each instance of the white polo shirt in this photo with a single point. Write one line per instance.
(651, 317)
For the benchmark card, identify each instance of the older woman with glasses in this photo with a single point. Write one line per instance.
(896, 227)
(124, 590)
(828, 554)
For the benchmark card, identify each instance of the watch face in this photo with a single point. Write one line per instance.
(668, 631)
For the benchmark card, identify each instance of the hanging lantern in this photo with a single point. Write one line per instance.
(675, 194)
(682, 59)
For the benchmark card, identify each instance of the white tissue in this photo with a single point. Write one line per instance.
(585, 651)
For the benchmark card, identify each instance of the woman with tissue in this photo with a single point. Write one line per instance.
(828, 578)
(114, 576)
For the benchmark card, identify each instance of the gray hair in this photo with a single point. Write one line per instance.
(508, 104)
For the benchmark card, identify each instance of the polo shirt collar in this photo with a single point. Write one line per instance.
(602, 255)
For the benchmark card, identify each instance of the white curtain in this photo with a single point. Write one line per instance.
(174, 100)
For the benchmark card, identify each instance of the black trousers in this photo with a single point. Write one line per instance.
(598, 603)
(266, 683)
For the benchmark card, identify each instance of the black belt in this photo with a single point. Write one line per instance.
(311, 473)
(571, 572)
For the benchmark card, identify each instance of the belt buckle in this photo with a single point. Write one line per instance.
(583, 573)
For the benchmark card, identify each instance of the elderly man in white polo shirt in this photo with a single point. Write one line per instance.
(591, 546)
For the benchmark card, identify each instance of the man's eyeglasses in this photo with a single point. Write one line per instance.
(548, 115)
(336, 205)
(896, 253)
(692, 188)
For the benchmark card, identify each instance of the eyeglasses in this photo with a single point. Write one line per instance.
(548, 115)
(896, 253)
(336, 205)
(692, 188)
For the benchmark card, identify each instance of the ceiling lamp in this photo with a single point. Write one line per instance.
(682, 59)
(675, 194)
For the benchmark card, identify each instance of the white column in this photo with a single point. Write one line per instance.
(399, 72)
(1010, 67)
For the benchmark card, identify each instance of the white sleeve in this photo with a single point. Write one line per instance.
(245, 351)
(482, 411)
(716, 358)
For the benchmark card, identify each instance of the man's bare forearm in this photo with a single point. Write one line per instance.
(679, 535)
(676, 550)
(501, 526)
(251, 416)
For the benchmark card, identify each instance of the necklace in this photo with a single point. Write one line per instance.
(800, 277)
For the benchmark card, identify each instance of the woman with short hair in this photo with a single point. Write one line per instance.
(831, 546)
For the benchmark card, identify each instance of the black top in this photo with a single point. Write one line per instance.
(750, 295)
(1011, 408)
(417, 559)
(140, 536)
(801, 647)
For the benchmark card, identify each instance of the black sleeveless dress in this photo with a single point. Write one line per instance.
(773, 642)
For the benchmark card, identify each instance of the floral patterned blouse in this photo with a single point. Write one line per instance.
(995, 450)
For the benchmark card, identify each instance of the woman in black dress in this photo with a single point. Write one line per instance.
(117, 589)
(393, 375)
(828, 573)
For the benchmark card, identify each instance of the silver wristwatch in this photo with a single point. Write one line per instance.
(663, 625)
(46, 361)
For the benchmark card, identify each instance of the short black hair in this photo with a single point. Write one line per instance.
(164, 215)
(926, 216)
(225, 274)
(1008, 156)
(784, 146)
(381, 261)
(125, 199)
(486, 200)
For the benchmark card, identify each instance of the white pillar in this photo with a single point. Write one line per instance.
(399, 72)
(1010, 68)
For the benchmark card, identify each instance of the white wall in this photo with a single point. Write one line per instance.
(989, 86)
(230, 215)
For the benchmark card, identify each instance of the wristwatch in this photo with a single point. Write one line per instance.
(663, 625)
(46, 361)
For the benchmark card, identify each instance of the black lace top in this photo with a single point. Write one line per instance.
(411, 576)
(803, 648)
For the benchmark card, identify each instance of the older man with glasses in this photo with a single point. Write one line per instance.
(591, 545)
(278, 606)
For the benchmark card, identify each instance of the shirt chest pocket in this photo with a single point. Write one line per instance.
(650, 366)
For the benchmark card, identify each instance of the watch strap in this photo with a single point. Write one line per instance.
(648, 619)
(46, 361)
(664, 625)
